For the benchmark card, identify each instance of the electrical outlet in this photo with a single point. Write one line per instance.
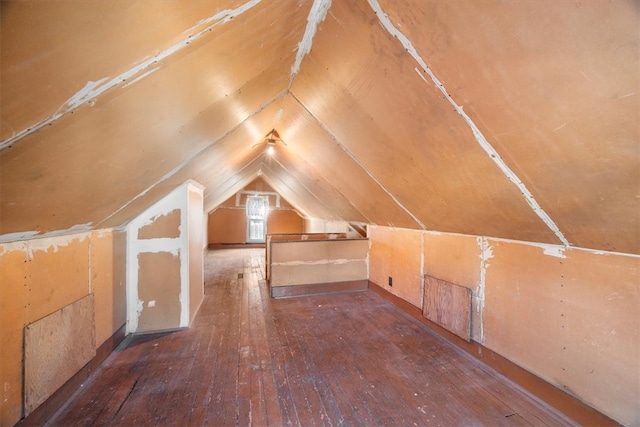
(390, 281)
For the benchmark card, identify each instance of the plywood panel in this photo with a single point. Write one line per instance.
(528, 78)
(108, 282)
(14, 299)
(56, 347)
(284, 221)
(319, 250)
(227, 225)
(448, 305)
(397, 253)
(317, 261)
(572, 320)
(159, 291)
(454, 258)
(167, 225)
(325, 157)
(58, 273)
(328, 272)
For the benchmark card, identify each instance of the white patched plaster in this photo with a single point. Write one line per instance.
(316, 15)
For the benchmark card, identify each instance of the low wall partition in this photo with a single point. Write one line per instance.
(307, 264)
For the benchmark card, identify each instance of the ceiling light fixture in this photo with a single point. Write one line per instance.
(271, 139)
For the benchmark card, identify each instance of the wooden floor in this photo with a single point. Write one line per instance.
(350, 359)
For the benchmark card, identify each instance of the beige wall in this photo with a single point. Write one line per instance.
(318, 261)
(41, 276)
(568, 316)
(228, 222)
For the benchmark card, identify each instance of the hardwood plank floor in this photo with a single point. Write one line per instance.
(351, 359)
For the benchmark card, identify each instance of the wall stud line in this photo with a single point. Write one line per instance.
(493, 154)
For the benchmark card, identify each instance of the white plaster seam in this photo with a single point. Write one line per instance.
(317, 14)
(33, 235)
(346, 150)
(171, 245)
(45, 244)
(140, 77)
(493, 154)
(94, 89)
(485, 254)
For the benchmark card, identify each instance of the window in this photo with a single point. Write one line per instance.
(257, 209)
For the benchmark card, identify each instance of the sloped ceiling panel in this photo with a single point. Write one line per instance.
(362, 85)
(52, 50)
(316, 194)
(312, 146)
(102, 155)
(555, 88)
(215, 166)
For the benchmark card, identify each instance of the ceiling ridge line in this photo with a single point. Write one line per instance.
(93, 89)
(480, 138)
(346, 150)
(193, 157)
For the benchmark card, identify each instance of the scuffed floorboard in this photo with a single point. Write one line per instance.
(346, 359)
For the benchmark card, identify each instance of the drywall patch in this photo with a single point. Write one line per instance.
(486, 146)
(93, 89)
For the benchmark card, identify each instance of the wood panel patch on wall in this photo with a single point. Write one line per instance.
(55, 348)
(448, 305)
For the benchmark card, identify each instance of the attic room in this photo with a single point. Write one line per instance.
(402, 152)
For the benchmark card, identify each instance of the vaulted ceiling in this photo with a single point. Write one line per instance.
(509, 119)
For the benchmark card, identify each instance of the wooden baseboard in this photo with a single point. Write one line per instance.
(564, 402)
(50, 406)
(318, 288)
